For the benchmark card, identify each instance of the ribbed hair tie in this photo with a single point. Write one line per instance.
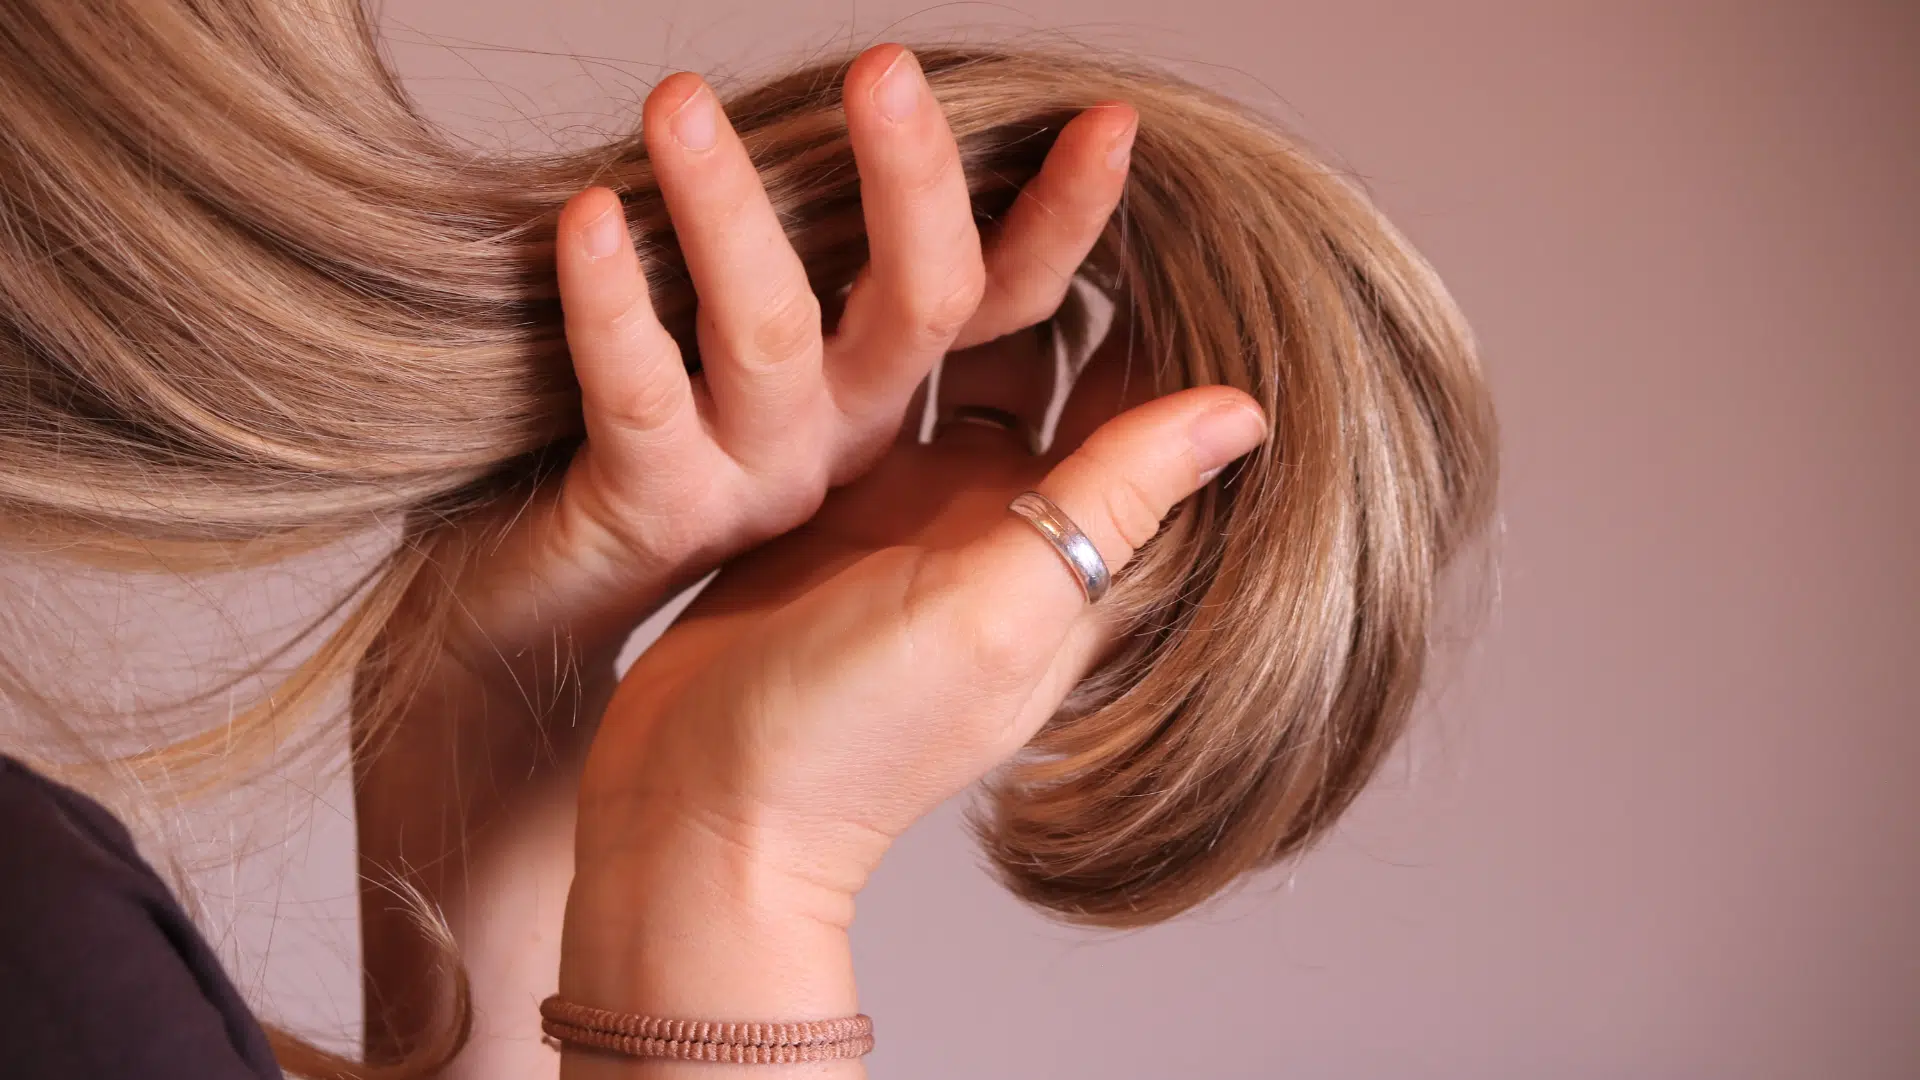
(731, 1042)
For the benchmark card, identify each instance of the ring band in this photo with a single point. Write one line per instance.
(1072, 545)
(991, 416)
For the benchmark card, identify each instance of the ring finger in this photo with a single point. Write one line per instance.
(924, 276)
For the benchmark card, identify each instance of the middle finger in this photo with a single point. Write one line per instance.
(759, 319)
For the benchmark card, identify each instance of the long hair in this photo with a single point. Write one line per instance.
(252, 301)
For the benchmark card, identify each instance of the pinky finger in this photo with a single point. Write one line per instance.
(1054, 223)
(634, 390)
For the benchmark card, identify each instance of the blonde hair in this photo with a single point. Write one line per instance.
(251, 301)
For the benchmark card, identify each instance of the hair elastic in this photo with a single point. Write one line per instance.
(734, 1043)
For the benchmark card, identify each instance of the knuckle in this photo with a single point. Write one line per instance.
(1064, 219)
(1030, 301)
(787, 325)
(1029, 286)
(928, 171)
(998, 641)
(1132, 510)
(988, 638)
(632, 325)
(1089, 217)
(941, 316)
(643, 404)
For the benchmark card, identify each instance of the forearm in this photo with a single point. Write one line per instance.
(467, 797)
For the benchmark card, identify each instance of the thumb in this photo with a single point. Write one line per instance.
(1117, 487)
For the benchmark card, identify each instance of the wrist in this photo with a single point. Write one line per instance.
(552, 600)
(648, 860)
(689, 925)
(674, 807)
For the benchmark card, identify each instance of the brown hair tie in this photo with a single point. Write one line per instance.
(734, 1043)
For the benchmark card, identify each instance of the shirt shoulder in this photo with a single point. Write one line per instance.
(101, 971)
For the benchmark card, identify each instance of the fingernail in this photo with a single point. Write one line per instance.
(696, 122)
(899, 91)
(1122, 148)
(603, 235)
(1224, 433)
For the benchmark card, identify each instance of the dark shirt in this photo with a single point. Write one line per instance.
(101, 972)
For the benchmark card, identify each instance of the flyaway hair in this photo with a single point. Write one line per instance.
(252, 302)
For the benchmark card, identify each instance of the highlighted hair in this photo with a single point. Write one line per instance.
(251, 301)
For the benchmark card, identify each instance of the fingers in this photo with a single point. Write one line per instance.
(759, 319)
(1054, 223)
(634, 390)
(924, 276)
(1120, 484)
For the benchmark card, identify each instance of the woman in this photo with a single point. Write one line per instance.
(252, 306)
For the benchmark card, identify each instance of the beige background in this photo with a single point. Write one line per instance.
(1662, 820)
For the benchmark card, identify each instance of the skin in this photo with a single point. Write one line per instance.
(828, 689)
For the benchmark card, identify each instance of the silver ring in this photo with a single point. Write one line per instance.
(1072, 545)
(991, 416)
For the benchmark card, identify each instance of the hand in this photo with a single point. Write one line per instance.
(676, 474)
(754, 766)
(679, 473)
